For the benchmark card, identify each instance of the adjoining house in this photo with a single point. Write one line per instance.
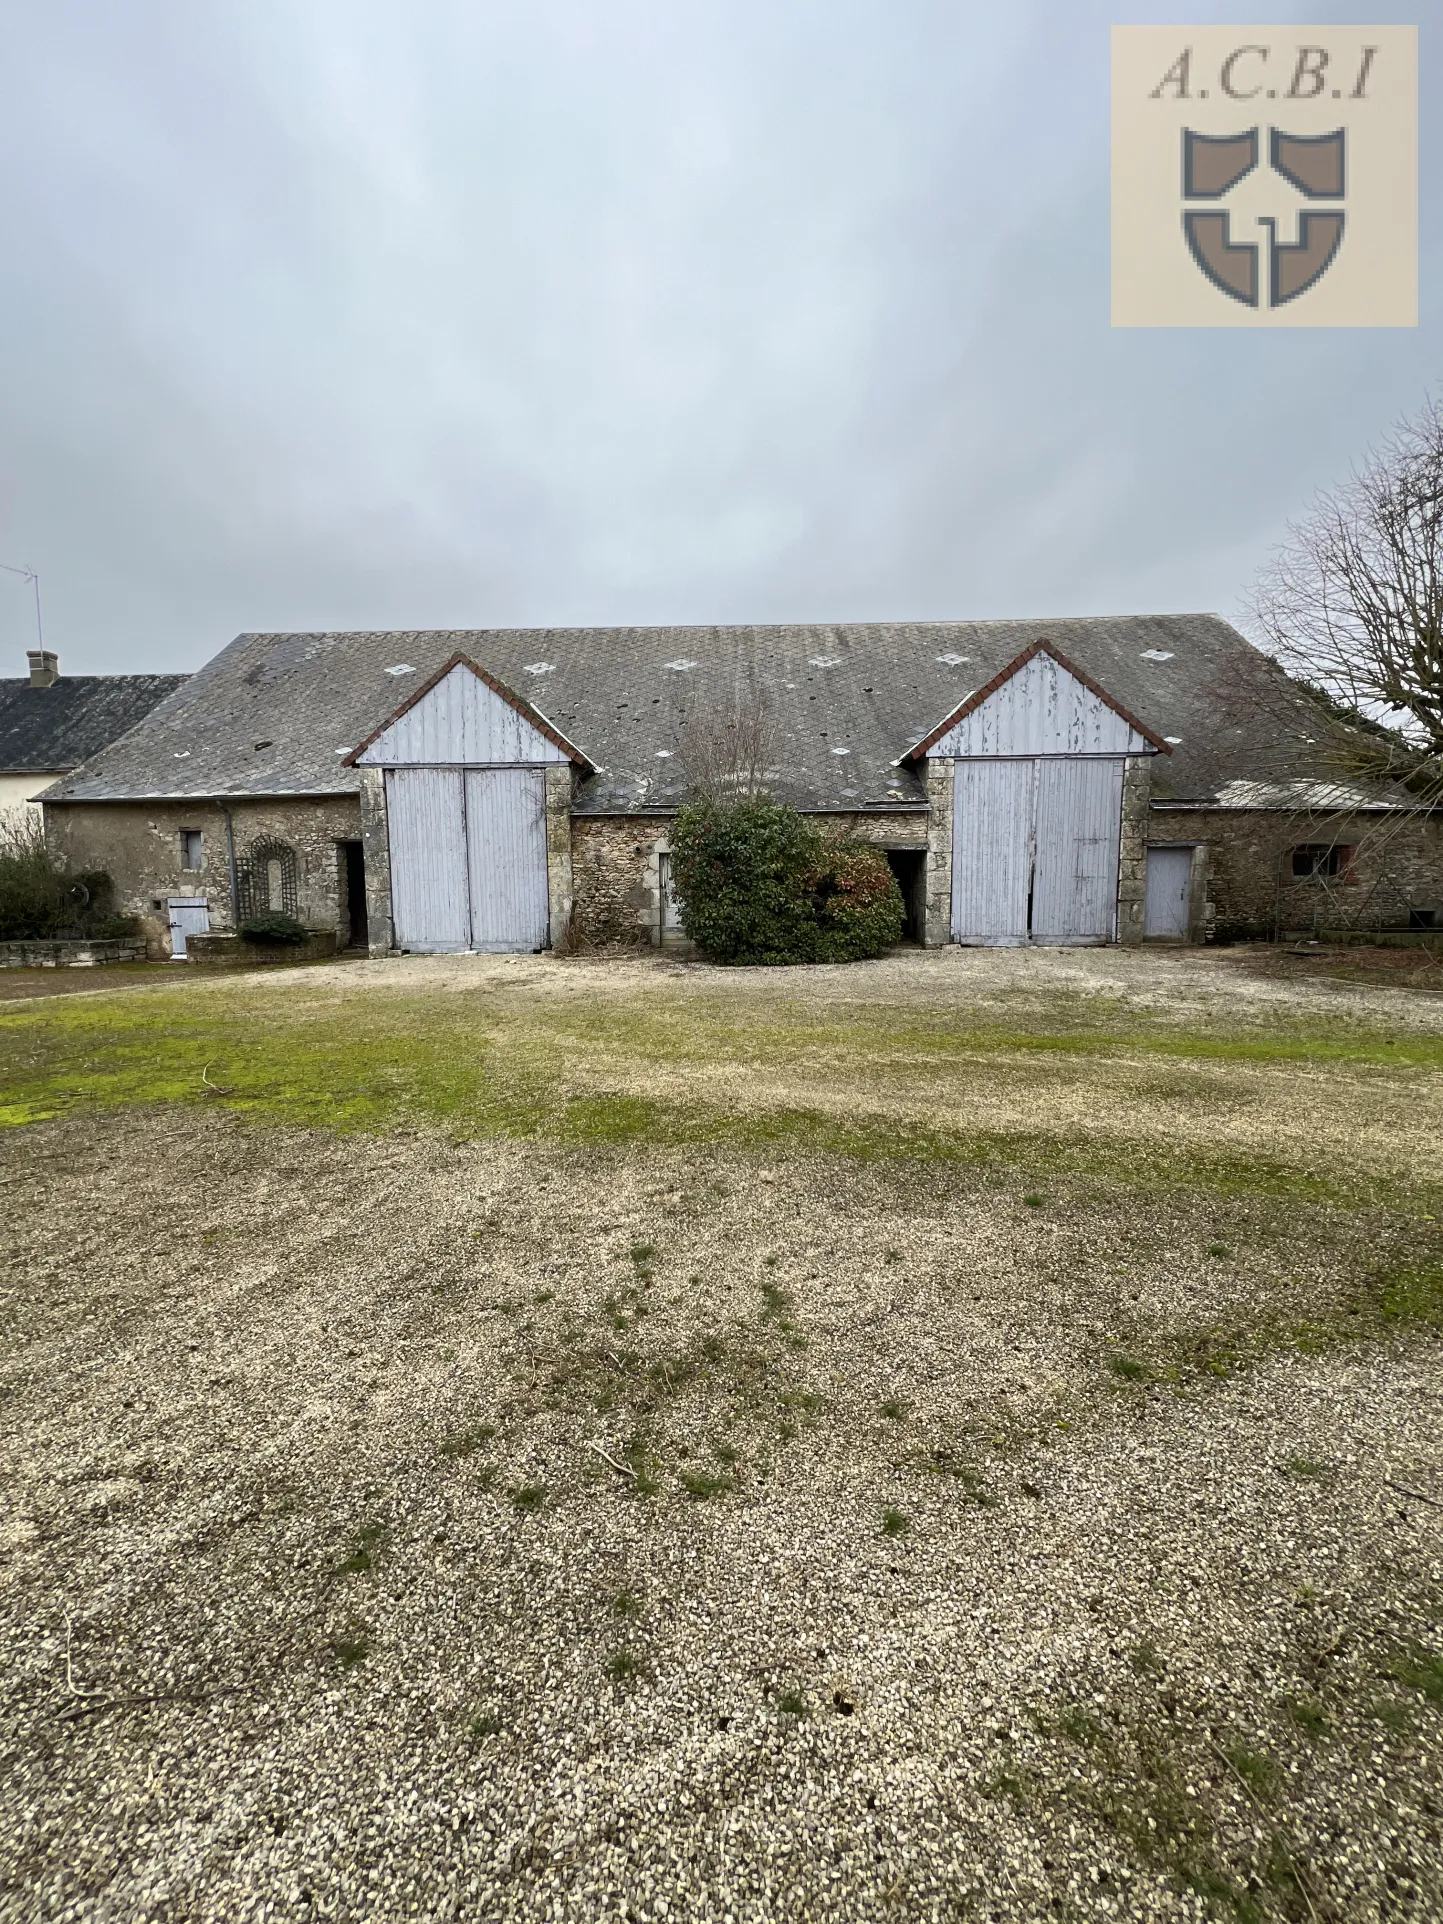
(50, 724)
(1082, 781)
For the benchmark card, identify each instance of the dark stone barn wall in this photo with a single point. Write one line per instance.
(138, 844)
(616, 881)
(1397, 866)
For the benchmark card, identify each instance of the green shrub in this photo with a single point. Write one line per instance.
(39, 901)
(758, 883)
(272, 929)
(115, 928)
(856, 902)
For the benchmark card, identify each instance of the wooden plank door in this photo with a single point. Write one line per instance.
(188, 915)
(506, 851)
(1079, 838)
(1169, 893)
(430, 892)
(992, 837)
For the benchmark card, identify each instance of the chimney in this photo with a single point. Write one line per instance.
(44, 668)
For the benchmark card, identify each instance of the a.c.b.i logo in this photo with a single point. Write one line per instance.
(1264, 177)
(1311, 165)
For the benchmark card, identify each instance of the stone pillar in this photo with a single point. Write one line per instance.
(1132, 867)
(558, 852)
(937, 932)
(1200, 909)
(376, 850)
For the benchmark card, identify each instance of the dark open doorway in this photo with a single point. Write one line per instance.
(909, 867)
(354, 932)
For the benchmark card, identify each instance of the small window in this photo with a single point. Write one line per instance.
(1321, 861)
(192, 847)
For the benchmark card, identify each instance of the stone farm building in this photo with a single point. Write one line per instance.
(1081, 781)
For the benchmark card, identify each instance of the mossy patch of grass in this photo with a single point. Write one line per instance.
(1309, 1716)
(367, 1544)
(466, 1441)
(1305, 1468)
(625, 1666)
(349, 1062)
(702, 1484)
(1420, 1670)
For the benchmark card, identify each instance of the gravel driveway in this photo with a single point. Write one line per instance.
(404, 1526)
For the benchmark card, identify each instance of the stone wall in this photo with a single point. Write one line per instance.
(43, 953)
(139, 845)
(376, 843)
(615, 883)
(1396, 866)
(616, 874)
(941, 791)
(1132, 868)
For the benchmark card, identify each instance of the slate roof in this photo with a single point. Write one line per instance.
(275, 714)
(47, 730)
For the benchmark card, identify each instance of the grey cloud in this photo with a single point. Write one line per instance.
(358, 314)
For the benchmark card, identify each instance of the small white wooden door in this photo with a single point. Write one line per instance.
(189, 915)
(670, 902)
(992, 832)
(506, 848)
(1079, 834)
(1169, 892)
(430, 892)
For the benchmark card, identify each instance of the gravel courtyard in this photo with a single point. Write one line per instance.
(956, 1437)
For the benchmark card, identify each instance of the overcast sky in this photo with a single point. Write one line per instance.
(467, 313)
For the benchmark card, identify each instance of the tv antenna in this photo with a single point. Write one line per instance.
(29, 574)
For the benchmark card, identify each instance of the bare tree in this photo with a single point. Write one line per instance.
(731, 750)
(1352, 603)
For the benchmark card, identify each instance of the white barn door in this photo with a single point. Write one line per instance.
(1169, 893)
(506, 843)
(992, 836)
(430, 888)
(468, 859)
(1079, 834)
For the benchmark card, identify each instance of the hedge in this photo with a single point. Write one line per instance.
(758, 883)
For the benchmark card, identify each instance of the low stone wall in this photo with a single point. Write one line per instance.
(70, 955)
(230, 952)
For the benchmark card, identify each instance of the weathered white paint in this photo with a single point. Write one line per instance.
(430, 886)
(993, 818)
(460, 720)
(1169, 893)
(1035, 847)
(1042, 710)
(189, 915)
(1079, 832)
(506, 849)
(468, 859)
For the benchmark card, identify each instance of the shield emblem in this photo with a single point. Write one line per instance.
(1313, 165)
